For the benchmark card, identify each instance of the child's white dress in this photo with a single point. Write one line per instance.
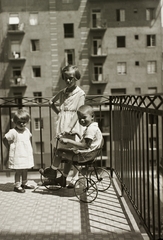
(20, 152)
(68, 109)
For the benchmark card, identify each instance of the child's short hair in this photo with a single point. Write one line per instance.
(86, 109)
(21, 115)
(71, 70)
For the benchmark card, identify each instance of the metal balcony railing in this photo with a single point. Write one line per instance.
(99, 78)
(99, 24)
(18, 82)
(16, 28)
(99, 52)
(133, 134)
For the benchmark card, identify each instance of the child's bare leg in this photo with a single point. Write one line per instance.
(18, 188)
(25, 184)
(24, 176)
(18, 174)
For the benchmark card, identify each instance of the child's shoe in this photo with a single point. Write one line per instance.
(19, 190)
(27, 186)
(48, 173)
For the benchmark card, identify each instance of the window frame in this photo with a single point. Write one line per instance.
(96, 18)
(97, 50)
(121, 41)
(120, 15)
(33, 19)
(150, 14)
(151, 40)
(37, 94)
(98, 77)
(151, 67)
(34, 45)
(69, 52)
(123, 67)
(16, 18)
(38, 124)
(68, 34)
(34, 73)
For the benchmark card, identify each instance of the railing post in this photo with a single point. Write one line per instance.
(121, 145)
(111, 136)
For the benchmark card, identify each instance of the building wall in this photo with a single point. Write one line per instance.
(52, 15)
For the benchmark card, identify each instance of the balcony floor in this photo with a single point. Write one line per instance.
(44, 215)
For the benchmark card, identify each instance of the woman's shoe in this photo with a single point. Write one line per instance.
(61, 181)
(48, 173)
(19, 190)
(71, 185)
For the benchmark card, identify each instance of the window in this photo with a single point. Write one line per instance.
(120, 15)
(69, 56)
(97, 46)
(13, 21)
(121, 41)
(98, 72)
(15, 49)
(39, 147)
(136, 37)
(36, 71)
(151, 40)
(96, 18)
(33, 18)
(151, 67)
(18, 98)
(35, 45)
(16, 72)
(39, 95)
(118, 91)
(38, 123)
(137, 90)
(149, 14)
(137, 63)
(121, 68)
(69, 30)
(152, 90)
(13, 18)
(67, 1)
(135, 10)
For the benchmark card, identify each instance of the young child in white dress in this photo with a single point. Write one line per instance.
(69, 100)
(17, 141)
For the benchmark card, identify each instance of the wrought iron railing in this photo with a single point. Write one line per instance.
(133, 131)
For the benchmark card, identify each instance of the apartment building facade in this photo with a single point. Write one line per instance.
(117, 45)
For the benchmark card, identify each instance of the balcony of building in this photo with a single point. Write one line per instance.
(16, 56)
(16, 29)
(99, 78)
(98, 25)
(18, 82)
(131, 208)
(99, 52)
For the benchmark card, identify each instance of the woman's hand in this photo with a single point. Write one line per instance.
(63, 140)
